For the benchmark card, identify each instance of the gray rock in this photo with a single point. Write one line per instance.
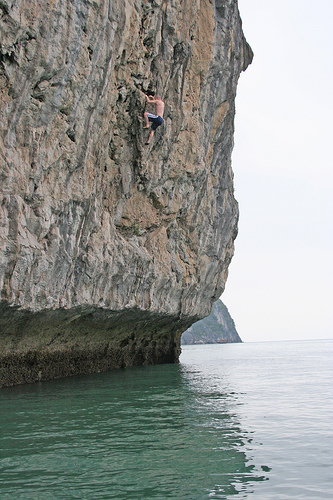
(95, 229)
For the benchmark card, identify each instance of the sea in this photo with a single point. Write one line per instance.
(244, 421)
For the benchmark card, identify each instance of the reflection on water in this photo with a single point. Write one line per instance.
(214, 413)
(152, 432)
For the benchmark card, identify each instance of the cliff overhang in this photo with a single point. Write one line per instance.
(107, 245)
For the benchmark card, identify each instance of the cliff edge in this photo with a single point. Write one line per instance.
(111, 249)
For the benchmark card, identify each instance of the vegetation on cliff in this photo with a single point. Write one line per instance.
(218, 327)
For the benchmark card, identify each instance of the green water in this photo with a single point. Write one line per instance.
(171, 431)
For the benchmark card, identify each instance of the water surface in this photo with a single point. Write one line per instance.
(246, 420)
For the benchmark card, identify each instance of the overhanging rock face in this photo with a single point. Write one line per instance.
(110, 249)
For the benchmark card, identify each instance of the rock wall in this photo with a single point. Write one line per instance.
(99, 233)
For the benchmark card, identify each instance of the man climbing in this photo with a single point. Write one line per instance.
(157, 118)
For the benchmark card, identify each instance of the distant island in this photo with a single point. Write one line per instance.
(217, 328)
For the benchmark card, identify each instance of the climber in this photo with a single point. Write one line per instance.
(157, 118)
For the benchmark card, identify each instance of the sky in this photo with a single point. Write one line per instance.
(280, 284)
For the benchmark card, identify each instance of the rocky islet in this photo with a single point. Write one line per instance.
(110, 249)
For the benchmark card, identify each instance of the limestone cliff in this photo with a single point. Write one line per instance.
(110, 249)
(217, 327)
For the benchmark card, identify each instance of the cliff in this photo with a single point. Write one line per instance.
(218, 326)
(111, 249)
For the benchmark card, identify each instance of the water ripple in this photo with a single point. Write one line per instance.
(215, 426)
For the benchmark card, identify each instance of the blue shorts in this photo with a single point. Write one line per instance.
(156, 121)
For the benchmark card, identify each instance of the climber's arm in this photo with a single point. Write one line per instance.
(150, 99)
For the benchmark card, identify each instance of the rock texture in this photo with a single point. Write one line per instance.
(217, 327)
(109, 249)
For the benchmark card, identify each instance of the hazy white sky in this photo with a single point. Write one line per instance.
(280, 280)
